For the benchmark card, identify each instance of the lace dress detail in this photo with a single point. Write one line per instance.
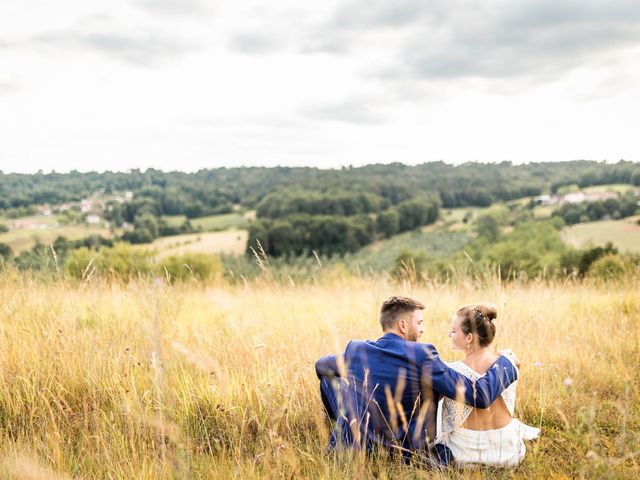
(455, 413)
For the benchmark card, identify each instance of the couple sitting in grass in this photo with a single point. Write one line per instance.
(385, 394)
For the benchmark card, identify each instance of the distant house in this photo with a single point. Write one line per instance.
(577, 197)
(580, 197)
(44, 210)
(547, 199)
(93, 219)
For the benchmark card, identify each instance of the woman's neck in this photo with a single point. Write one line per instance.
(477, 353)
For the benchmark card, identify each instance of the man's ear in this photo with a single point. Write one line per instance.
(402, 326)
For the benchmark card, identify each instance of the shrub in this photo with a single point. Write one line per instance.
(192, 265)
(5, 251)
(410, 265)
(79, 262)
(122, 261)
(608, 267)
(533, 248)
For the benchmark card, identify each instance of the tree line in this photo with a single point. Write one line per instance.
(333, 229)
(614, 208)
(212, 191)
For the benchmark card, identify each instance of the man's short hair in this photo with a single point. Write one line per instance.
(394, 307)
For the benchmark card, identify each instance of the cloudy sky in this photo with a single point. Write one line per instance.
(190, 84)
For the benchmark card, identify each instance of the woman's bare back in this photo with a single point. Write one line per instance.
(497, 415)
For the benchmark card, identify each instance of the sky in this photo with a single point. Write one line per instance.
(192, 84)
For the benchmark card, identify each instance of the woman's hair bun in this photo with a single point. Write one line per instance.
(488, 310)
(478, 319)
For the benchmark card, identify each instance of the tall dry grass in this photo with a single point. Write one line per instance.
(149, 381)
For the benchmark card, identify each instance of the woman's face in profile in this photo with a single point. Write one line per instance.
(458, 338)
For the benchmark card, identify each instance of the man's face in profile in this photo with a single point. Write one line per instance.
(413, 324)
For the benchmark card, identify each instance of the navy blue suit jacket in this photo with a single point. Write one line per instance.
(390, 390)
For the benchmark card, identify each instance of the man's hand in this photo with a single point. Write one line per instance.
(510, 355)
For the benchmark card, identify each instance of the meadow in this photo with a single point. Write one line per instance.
(624, 234)
(212, 222)
(45, 229)
(146, 380)
(228, 241)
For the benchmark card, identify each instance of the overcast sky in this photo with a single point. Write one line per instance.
(190, 84)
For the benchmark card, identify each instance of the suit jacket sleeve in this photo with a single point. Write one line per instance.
(479, 394)
(327, 366)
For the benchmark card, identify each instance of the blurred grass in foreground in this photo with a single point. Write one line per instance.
(146, 380)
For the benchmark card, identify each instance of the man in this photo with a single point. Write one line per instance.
(385, 393)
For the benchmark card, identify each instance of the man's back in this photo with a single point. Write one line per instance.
(389, 390)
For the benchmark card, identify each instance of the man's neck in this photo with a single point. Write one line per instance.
(394, 332)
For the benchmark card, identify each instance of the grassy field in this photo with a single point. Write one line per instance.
(456, 215)
(211, 223)
(438, 243)
(24, 238)
(35, 219)
(624, 234)
(611, 187)
(229, 241)
(149, 381)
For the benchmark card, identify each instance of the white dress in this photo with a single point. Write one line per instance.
(500, 447)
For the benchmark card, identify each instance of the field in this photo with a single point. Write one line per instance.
(211, 223)
(381, 255)
(624, 234)
(192, 381)
(45, 229)
(611, 187)
(230, 241)
(456, 215)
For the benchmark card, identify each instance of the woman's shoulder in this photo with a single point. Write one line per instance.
(482, 367)
(461, 367)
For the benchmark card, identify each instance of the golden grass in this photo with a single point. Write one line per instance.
(230, 241)
(150, 381)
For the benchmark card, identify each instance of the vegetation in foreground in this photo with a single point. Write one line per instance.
(148, 380)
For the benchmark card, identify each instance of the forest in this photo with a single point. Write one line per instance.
(304, 211)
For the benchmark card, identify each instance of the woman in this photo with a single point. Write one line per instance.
(489, 436)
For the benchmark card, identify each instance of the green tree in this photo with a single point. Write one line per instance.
(487, 226)
(388, 222)
(5, 251)
(607, 267)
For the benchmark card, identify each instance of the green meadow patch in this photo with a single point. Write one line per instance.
(210, 223)
(435, 244)
(624, 234)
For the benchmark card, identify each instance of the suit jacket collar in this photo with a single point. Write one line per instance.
(391, 336)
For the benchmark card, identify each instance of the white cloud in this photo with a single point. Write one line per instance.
(196, 84)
